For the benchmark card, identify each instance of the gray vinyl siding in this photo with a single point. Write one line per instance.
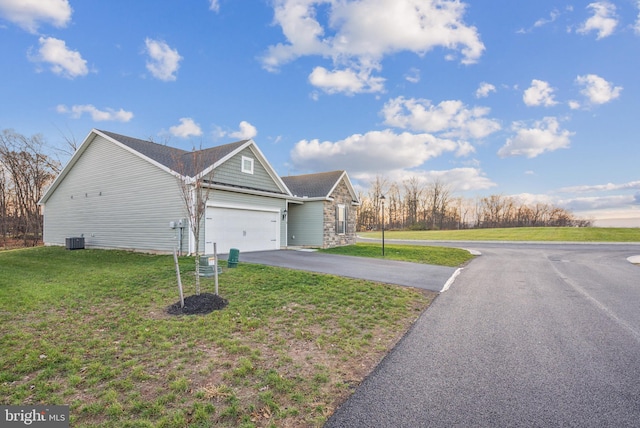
(230, 172)
(115, 200)
(245, 200)
(306, 223)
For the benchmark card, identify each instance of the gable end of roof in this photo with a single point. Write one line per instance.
(318, 185)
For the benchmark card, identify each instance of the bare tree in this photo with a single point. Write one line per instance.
(195, 194)
(378, 188)
(4, 202)
(412, 192)
(415, 206)
(492, 210)
(439, 194)
(65, 150)
(364, 212)
(394, 207)
(26, 171)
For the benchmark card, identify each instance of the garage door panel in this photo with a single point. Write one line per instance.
(245, 229)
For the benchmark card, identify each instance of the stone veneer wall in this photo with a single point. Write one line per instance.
(341, 195)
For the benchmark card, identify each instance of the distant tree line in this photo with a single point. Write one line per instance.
(25, 173)
(414, 205)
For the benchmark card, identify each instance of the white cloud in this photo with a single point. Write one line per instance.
(465, 148)
(187, 128)
(29, 14)
(484, 90)
(632, 185)
(604, 19)
(413, 75)
(63, 61)
(539, 93)
(553, 16)
(354, 43)
(637, 26)
(399, 25)
(163, 62)
(373, 151)
(598, 202)
(246, 132)
(533, 199)
(464, 179)
(214, 5)
(348, 81)
(597, 89)
(544, 21)
(607, 201)
(108, 114)
(604, 208)
(544, 136)
(574, 105)
(451, 118)
(456, 179)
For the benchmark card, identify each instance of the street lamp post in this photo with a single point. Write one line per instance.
(382, 200)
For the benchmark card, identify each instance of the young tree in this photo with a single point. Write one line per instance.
(195, 194)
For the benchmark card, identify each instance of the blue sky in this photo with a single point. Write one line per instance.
(538, 100)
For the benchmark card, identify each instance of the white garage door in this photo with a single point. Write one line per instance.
(244, 229)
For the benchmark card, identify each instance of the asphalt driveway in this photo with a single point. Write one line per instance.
(529, 335)
(416, 275)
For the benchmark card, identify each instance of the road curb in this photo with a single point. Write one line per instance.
(634, 259)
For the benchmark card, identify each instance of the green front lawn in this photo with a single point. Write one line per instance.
(89, 329)
(411, 253)
(569, 234)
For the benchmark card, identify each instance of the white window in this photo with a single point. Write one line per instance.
(341, 219)
(247, 165)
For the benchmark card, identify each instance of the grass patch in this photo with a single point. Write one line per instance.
(411, 253)
(89, 329)
(568, 234)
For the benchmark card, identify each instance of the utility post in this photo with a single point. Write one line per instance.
(382, 201)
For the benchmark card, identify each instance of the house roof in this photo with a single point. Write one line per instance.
(175, 161)
(178, 160)
(199, 163)
(319, 185)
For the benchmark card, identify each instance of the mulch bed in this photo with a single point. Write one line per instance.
(203, 303)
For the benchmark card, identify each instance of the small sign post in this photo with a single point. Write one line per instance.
(215, 261)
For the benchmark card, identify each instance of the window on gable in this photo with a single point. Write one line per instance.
(341, 219)
(247, 165)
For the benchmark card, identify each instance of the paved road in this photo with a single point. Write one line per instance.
(428, 277)
(528, 335)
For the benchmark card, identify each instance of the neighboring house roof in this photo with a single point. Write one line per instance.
(320, 185)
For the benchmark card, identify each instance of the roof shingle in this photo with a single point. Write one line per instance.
(181, 161)
(312, 185)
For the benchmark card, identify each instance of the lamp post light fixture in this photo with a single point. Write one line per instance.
(382, 201)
